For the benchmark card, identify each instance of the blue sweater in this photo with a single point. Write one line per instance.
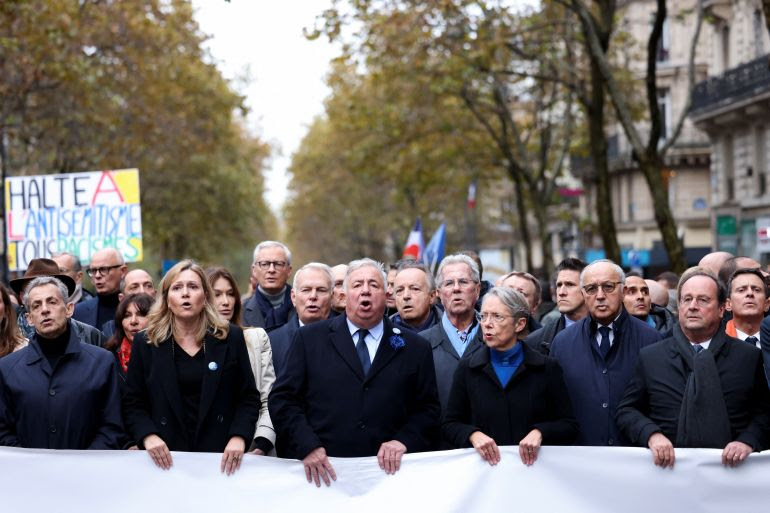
(596, 386)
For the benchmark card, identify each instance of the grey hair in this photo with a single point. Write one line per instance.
(271, 244)
(618, 270)
(513, 300)
(364, 262)
(458, 258)
(77, 266)
(46, 280)
(318, 266)
(413, 264)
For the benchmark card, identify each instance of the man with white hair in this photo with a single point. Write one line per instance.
(270, 306)
(598, 353)
(311, 296)
(355, 385)
(457, 333)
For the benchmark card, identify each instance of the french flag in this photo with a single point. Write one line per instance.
(415, 243)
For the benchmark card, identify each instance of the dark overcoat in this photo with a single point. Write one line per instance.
(534, 398)
(322, 399)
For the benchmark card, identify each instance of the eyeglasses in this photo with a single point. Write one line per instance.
(463, 283)
(496, 318)
(91, 271)
(607, 287)
(265, 264)
(699, 300)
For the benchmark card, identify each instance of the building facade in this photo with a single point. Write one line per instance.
(733, 107)
(688, 161)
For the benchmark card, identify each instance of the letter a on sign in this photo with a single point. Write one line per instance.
(102, 188)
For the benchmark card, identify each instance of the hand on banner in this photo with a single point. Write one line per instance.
(257, 452)
(662, 450)
(486, 447)
(158, 451)
(735, 453)
(389, 456)
(317, 464)
(233, 455)
(529, 446)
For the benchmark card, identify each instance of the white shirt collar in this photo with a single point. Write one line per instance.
(375, 332)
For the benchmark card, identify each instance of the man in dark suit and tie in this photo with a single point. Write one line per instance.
(356, 386)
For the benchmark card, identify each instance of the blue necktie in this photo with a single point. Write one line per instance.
(363, 352)
(752, 341)
(604, 345)
(697, 348)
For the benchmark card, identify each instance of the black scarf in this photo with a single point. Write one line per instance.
(703, 419)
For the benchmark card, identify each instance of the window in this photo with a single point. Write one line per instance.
(664, 107)
(662, 55)
(759, 32)
(724, 42)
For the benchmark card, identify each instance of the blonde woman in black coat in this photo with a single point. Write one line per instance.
(190, 385)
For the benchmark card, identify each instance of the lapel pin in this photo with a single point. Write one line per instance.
(396, 331)
(213, 366)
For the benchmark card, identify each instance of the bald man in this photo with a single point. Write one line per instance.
(715, 260)
(106, 270)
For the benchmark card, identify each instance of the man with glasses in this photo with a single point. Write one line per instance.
(598, 354)
(270, 306)
(569, 301)
(700, 387)
(106, 269)
(457, 334)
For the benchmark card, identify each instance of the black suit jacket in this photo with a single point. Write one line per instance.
(229, 403)
(653, 397)
(280, 340)
(323, 399)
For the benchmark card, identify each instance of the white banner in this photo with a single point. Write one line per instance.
(564, 479)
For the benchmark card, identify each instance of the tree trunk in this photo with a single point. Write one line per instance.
(652, 168)
(521, 210)
(598, 143)
(541, 216)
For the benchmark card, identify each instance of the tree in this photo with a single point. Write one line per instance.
(103, 85)
(650, 155)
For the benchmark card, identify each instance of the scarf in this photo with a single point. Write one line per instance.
(124, 353)
(703, 419)
(274, 317)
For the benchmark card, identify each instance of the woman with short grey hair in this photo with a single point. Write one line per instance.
(509, 393)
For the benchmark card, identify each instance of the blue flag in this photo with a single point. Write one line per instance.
(434, 251)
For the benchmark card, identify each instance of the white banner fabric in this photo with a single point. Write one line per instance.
(564, 479)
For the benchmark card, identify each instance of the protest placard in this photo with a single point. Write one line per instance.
(75, 212)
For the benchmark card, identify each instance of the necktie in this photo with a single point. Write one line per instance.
(697, 348)
(604, 345)
(463, 336)
(363, 352)
(752, 341)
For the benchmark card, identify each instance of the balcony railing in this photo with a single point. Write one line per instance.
(734, 85)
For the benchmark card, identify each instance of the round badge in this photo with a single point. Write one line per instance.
(396, 331)
(213, 366)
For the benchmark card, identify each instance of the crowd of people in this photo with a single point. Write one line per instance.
(356, 360)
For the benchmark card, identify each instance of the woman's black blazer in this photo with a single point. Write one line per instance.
(229, 402)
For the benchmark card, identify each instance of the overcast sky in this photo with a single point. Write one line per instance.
(264, 39)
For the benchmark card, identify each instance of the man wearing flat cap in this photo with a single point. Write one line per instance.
(58, 392)
(46, 267)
